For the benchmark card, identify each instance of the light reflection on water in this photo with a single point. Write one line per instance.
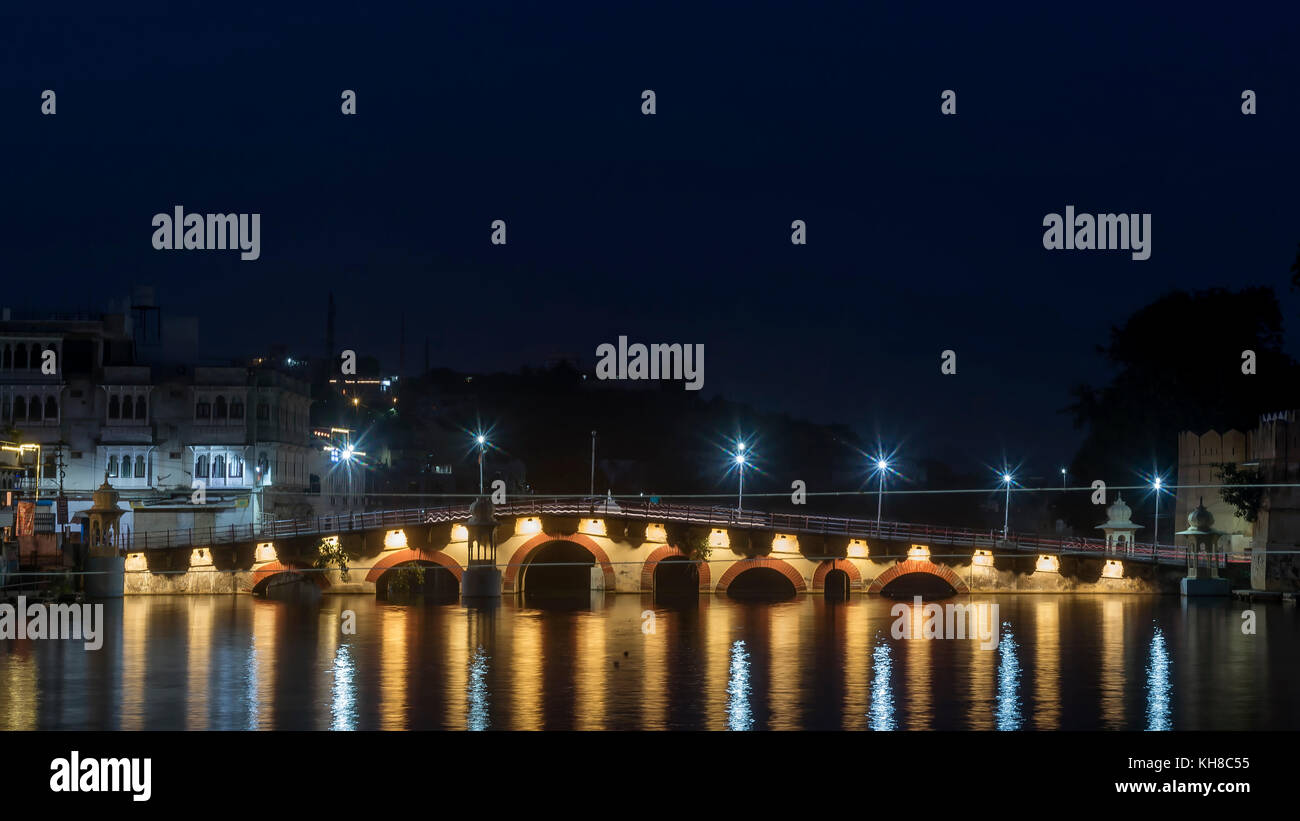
(1158, 684)
(739, 716)
(1087, 662)
(882, 694)
(1008, 681)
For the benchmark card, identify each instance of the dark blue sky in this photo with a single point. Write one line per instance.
(924, 231)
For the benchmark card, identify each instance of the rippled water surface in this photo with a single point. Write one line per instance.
(1085, 662)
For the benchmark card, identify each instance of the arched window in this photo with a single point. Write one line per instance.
(201, 467)
(114, 407)
(218, 467)
(219, 409)
(34, 409)
(36, 356)
(263, 412)
(8, 361)
(236, 467)
(112, 467)
(202, 410)
(262, 464)
(139, 467)
(51, 408)
(20, 358)
(236, 409)
(20, 408)
(141, 408)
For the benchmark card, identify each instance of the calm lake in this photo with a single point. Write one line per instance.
(1061, 662)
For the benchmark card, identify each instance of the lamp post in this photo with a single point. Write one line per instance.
(882, 466)
(481, 440)
(1155, 537)
(740, 469)
(1062, 478)
(593, 463)
(1006, 509)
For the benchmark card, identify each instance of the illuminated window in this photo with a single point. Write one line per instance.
(112, 467)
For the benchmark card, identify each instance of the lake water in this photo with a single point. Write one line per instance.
(1062, 662)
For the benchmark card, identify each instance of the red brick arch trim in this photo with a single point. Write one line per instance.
(819, 577)
(782, 567)
(917, 566)
(266, 571)
(525, 551)
(397, 557)
(667, 551)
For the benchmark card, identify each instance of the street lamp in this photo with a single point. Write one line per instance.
(1155, 537)
(882, 467)
(481, 440)
(740, 461)
(1007, 478)
(1062, 478)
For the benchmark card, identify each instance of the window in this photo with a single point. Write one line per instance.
(262, 464)
(20, 406)
(34, 409)
(263, 412)
(112, 467)
(139, 466)
(201, 467)
(236, 409)
(236, 467)
(141, 408)
(51, 408)
(218, 467)
(20, 358)
(219, 409)
(202, 410)
(114, 407)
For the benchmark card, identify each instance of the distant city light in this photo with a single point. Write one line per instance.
(740, 458)
(1156, 484)
(881, 464)
(481, 439)
(1006, 477)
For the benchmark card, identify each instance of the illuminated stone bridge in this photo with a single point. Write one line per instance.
(566, 548)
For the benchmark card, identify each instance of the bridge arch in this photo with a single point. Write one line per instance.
(827, 565)
(524, 553)
(397, 557)
(779, 565)
(266, 572)
(667, 552)
(917, 566)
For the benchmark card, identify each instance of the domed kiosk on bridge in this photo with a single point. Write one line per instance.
(1202, 543)
(481, 579)
(1119, 528)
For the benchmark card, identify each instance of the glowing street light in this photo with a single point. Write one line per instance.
(740, 462)
(1155, 538)
(1007, 478)
(481, 441)
(882, 467)
(1062, 478)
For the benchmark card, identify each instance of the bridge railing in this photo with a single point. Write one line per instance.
(701, 515)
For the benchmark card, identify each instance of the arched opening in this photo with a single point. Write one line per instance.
(559, 569)
(925, 585)
(418, 582)
(288, 586)
(836, 585)
(761, 583)
(676, 577)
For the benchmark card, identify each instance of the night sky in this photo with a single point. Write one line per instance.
(925, 231)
